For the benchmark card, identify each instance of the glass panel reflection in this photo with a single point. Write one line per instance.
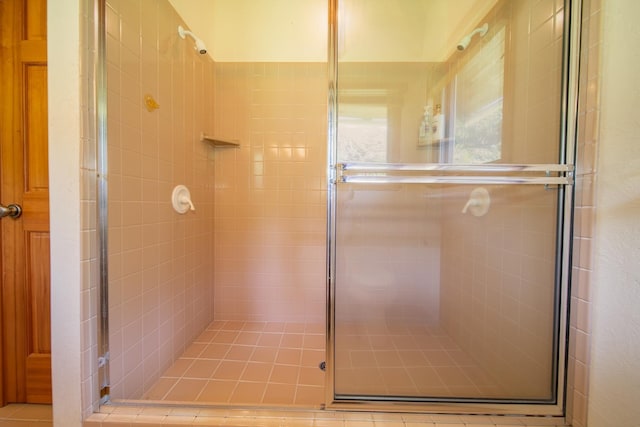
(434, 303)
(471, 81)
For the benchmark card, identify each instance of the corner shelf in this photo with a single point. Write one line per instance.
(218, 142)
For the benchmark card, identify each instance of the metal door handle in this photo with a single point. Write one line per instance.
(13, 211)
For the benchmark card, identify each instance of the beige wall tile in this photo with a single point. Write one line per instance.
(161, 272)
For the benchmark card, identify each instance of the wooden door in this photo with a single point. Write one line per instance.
(25, 285)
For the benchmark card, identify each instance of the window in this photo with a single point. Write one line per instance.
(362, 129)
(478, 88)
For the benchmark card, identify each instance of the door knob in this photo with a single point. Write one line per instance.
(13, 211)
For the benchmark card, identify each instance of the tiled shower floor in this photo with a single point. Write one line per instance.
(270, 363)
(406, 359)
(249, 363)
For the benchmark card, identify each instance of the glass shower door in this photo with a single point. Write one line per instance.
(448, 202)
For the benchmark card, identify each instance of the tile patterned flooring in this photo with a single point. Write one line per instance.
(249, 363)
(131, 416)
(276, 364)
(23, 415)
(406, 359)
(271, 345)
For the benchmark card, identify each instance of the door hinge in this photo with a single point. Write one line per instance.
(104, 377)
(102, 360)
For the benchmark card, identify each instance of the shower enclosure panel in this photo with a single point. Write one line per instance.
(450, 188)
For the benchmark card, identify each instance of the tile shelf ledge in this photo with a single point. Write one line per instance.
(219, 142)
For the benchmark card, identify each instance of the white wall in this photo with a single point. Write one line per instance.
(296, 30)
(63, 23)
(259, 30)
(407, 31)
(615, 369)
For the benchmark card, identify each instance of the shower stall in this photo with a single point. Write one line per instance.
(379, 206)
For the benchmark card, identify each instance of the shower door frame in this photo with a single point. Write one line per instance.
(568, 133)
(568, 128)
(100, 40)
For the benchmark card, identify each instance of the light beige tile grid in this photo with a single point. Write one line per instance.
(585, 211)
(407, 360)
(245, 363)
(23, 415)
(277, 363)
(249, 363)
(169, 417)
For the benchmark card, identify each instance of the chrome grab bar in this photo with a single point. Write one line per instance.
(447, 167)
(383, 173)
(497, 180)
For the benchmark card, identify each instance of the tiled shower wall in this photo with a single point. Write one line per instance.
(270, 209)
(160, 261)
(497, 269)
(585, 212)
